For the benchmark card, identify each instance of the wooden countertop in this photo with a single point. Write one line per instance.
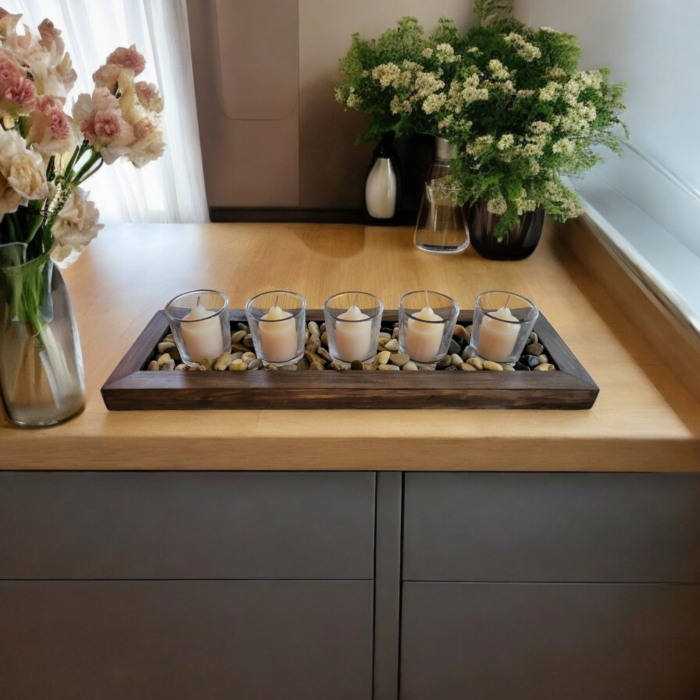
(644, 419)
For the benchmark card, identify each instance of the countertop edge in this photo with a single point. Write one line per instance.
(376, 454)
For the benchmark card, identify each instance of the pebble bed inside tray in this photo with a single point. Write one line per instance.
(460, 356)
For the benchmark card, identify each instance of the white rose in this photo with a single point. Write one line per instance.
(27, 175)
(76, 225)
(22, 168)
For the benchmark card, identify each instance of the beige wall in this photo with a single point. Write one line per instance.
(272, 134)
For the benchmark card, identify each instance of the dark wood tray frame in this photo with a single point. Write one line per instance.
(131, 388)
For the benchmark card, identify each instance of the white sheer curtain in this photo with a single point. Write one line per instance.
(172, 188)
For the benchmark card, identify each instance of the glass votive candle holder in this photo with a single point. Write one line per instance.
(353, 321)
(502, 325)
(426, 323)
(200, 325)
(277, 321)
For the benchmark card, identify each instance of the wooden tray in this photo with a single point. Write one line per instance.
(131, 388)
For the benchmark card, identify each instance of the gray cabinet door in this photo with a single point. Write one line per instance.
(186, 640)
(552, 527)
(550, 642)
(196, 525)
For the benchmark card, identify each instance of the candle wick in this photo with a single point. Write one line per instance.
(357, 296)
(277, 298)
(505, 306)
(427, 303)
(198, 298)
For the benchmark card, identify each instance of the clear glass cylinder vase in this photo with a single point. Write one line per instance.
(41, 368)
(441, 226)
(442, 159)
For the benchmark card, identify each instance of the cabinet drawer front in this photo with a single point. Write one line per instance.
(213, 525)
(550, 641)
(179, 640)
(552, 527)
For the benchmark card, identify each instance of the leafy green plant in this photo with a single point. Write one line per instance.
(389, 78)
(535, 117)
(511, 99)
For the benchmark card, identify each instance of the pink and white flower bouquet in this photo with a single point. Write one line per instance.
(48, 149)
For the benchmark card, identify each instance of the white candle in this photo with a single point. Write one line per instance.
(497, 338)
(423, 339)
(353, 340)
(279, 340)
(204, 339)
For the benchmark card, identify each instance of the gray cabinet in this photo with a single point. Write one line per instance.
(552, 527)
(357, 586)
(195, 525)
(551, 586)
(176, 586)
(186, 640)
(550, 642)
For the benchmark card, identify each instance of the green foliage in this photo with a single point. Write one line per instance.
(404, 47)
(511, 100)
(489, 11)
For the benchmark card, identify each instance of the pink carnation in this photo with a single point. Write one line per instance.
(107, 126)
(87, 129)
(49, 103)
(50, 129)
(127, 58)
(10, 71)
(23, 93)
(60, 125)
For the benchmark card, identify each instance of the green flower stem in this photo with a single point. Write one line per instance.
(27, 285)
(36, 357)
(84, 173)
(36, 221)
(77, 153)
(11, 228)
(91, 173)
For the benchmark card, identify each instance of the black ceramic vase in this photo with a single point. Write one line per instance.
(520, 242)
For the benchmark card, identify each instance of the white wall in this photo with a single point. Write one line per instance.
(648, 203)
(654, 46)
(290, 144)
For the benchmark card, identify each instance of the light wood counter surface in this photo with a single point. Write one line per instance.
(644, 418)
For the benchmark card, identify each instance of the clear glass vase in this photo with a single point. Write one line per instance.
(441, 226)
(41, 368)
(441, 160)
